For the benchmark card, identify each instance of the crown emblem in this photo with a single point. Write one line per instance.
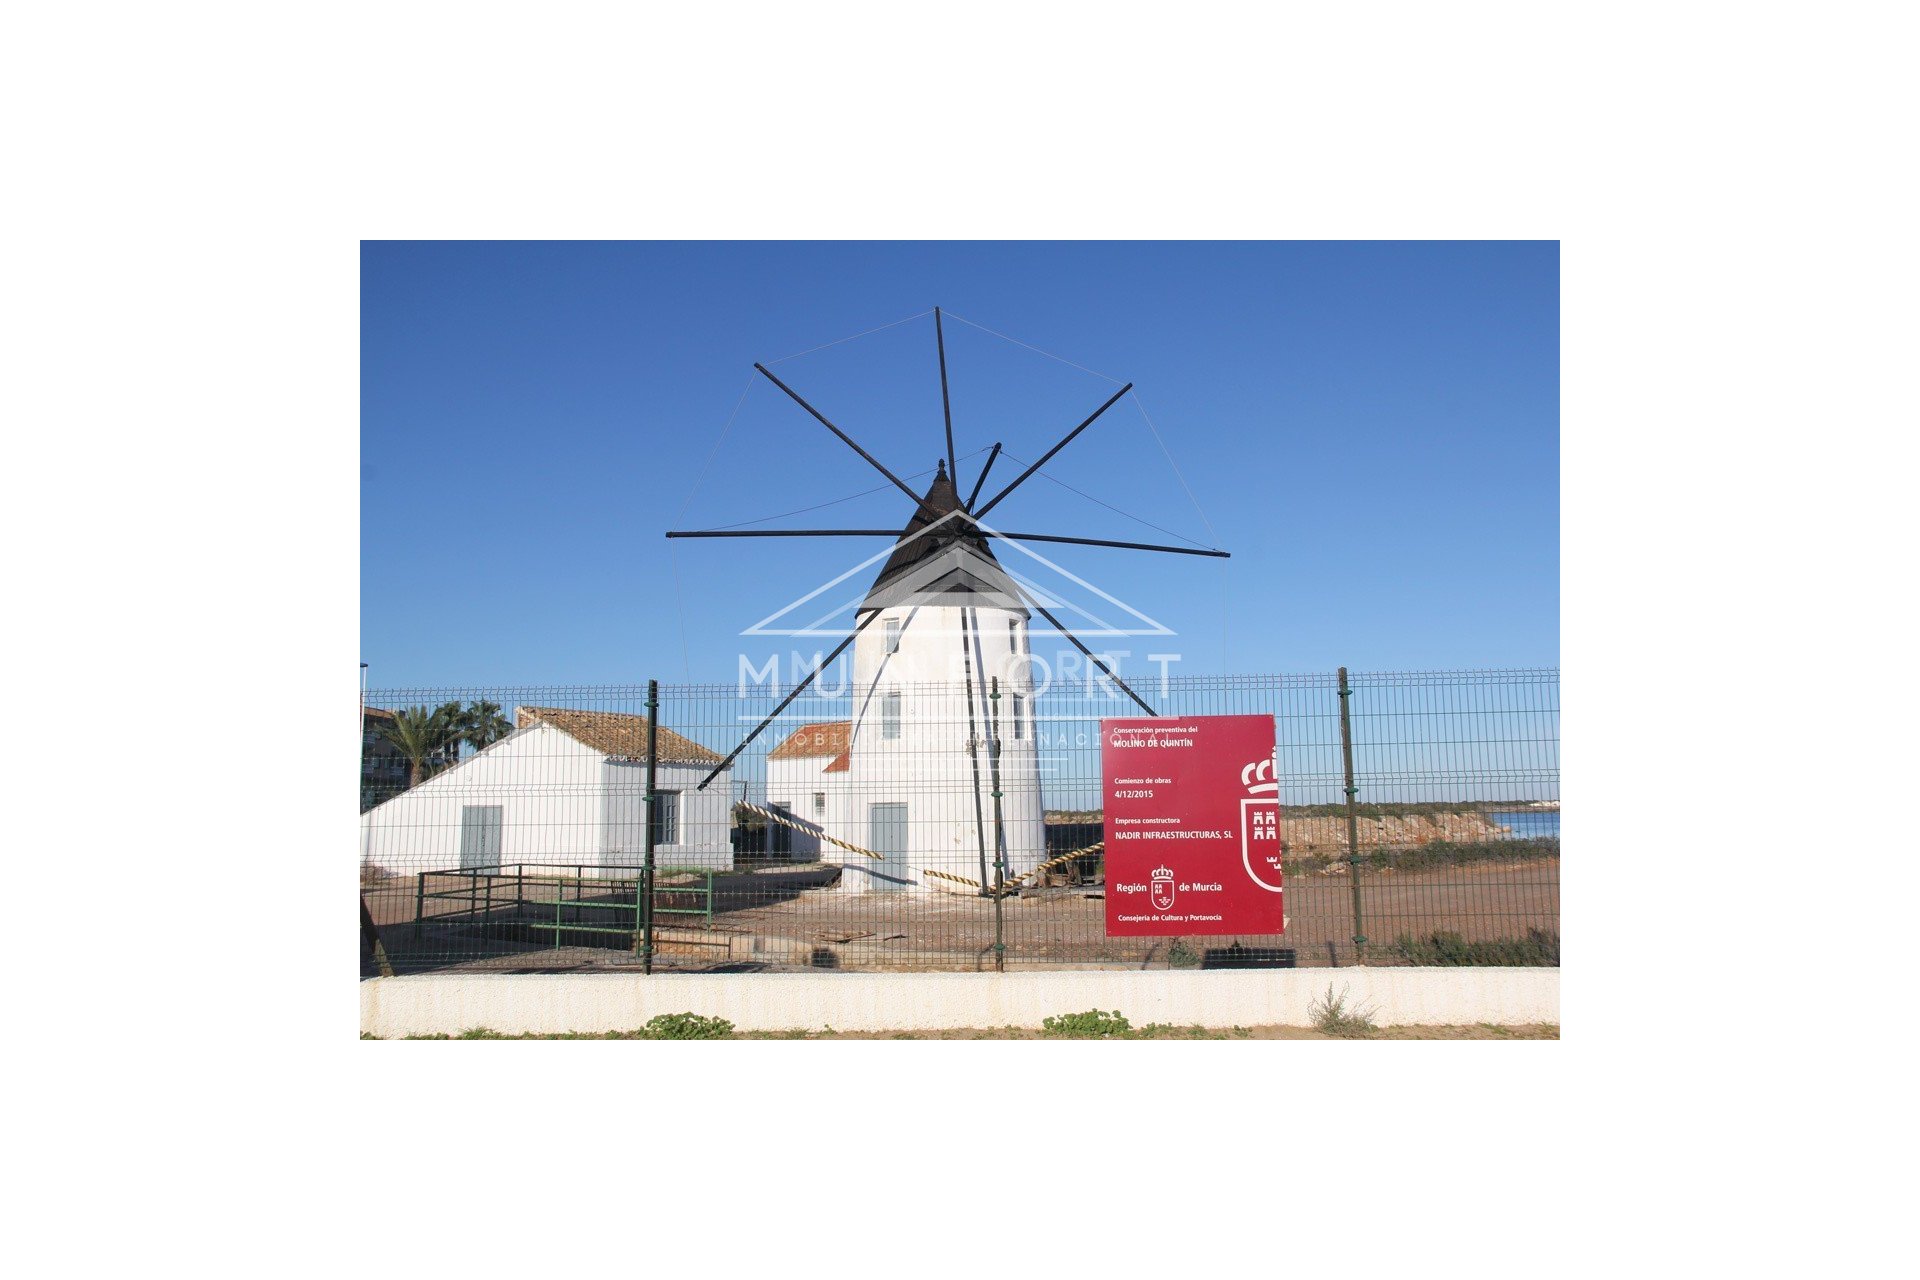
(1163, 873)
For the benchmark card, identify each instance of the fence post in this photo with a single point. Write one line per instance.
(370, 939)
(1353, 822)
(644, 939)
(973, 743)
(419, 902)
(999, 836)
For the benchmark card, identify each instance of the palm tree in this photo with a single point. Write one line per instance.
(422, 734)
(482, 725)
(454, 718)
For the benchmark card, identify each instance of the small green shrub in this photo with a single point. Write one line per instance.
(1094, 1024)
(1181, 956)
(1332, 1017)
(1540, 948)
(686, 1026)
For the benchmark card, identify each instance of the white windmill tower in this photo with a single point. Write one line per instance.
(942, 770)
(938, 768)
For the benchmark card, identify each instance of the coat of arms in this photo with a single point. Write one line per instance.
(1260, 824)
(1160, 889)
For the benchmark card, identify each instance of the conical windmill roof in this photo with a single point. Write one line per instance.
(940, 562)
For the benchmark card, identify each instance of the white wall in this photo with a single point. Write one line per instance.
(544, 1003)
(927, 767)
(554, 793)
(546, 783)
(706, 817)
(793, 782)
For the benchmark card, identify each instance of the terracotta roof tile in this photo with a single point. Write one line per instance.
(615, 733)
(826, 738)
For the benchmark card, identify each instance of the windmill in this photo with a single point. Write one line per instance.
(949, 781)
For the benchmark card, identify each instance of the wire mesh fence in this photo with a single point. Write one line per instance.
(506, 829)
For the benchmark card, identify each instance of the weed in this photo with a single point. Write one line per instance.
(1181, 956)
(479, 1033)
(1332, 1017)
(685, 1026)
(1540, 948)
(1094, 1024)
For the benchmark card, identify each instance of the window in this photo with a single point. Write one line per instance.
(819, 802)
(665, 818)
(890, 716)
(480, 830)
(1013, 635)
(893, 635)
(1019, 716)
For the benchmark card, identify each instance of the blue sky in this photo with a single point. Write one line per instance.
(1372, 429)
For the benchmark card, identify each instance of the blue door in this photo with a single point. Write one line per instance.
(887, 833)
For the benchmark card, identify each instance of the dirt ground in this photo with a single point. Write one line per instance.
(1483, 1031)
(785, 921)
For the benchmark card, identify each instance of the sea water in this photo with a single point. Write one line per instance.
(1522, 824)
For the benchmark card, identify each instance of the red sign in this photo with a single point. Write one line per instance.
(1192, 826)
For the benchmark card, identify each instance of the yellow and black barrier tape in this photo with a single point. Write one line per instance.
(1047, 866)
(1012, 884)
(942, 875)
(785, 821)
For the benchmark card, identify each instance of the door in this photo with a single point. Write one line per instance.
(887, 833)
(480, 836)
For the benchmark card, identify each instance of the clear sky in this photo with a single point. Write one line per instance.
(1371, 429)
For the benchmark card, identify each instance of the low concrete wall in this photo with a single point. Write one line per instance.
(518, 1003)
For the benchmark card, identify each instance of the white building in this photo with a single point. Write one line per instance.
(566, 788)
(911, 774)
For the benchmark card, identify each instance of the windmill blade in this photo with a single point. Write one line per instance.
(1091, 655)
(1021, 479)
(946, 405)
(1103, 542)
(783, 533)
(872, 461)
(988, 533)
(983, 475)
(788, 700)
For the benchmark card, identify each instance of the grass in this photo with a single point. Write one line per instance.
(1332, 1017)
(1539, 949)
(668, 1026)
(1091, 1025)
